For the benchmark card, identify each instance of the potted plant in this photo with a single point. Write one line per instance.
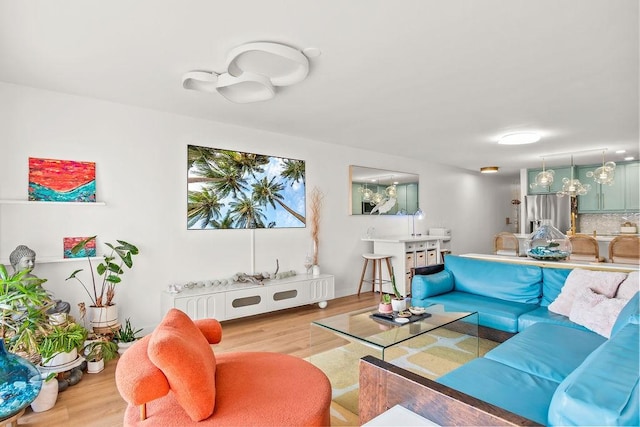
(126, 336)
(97, 352)
(101, 291)
(60, 344)
(398, 302)
(23, 306)
(385, 304)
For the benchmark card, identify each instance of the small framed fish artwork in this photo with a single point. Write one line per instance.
(88, 251)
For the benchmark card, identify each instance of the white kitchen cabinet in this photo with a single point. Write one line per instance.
(406, 253)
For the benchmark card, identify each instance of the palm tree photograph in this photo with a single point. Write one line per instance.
(229, 189)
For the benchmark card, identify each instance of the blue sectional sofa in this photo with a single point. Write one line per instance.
(507, 296)
(552, 371)
(558, 375)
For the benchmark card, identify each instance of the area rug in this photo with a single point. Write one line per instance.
(430, 355)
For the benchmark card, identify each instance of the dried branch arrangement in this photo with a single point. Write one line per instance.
(316, 204)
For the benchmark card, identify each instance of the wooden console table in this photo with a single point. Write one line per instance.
(246, 299)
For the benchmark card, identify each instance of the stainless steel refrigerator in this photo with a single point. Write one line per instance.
(548, 206)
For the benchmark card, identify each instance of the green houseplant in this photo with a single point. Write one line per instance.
(385, 304)
(126, 336)
(61, 343)
(107, 273)
(398, 302)
(97, 352)
(105, 277)
(23, 305)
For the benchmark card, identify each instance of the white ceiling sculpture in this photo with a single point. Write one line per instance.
(253, 72)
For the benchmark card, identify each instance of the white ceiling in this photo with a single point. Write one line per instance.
(438, 80)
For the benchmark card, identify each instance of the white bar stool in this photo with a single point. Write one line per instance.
(377, 266)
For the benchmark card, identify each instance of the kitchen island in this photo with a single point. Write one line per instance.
(603, 243)
(600, 266)
(408, 252)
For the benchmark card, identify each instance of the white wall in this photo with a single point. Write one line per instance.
(141, 175)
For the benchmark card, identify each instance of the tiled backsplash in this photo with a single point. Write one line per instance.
(605, 223)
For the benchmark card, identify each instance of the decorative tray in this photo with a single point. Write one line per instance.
(394, 319)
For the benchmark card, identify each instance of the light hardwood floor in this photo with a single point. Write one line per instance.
(95, 400)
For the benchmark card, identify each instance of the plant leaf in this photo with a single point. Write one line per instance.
(81, 244)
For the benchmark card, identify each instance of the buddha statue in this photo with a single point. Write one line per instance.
(24, 258)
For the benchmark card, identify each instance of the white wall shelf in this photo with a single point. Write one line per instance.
(34, 202)
(52, 259)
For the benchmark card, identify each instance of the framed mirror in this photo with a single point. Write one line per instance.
(382, 192)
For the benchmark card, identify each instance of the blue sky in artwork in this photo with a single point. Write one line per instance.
(293, 194)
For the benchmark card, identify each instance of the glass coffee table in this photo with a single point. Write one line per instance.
(430, 346)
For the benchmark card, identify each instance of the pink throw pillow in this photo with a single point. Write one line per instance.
(182, 353)
(596, 312)
(602, 282)
(629, 287)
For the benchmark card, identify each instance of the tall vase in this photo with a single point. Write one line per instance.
(20, 382)
(47, 397)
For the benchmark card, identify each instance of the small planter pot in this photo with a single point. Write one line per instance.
(47, 397)
(103, 317)
(60, 359)
(385, 308)
(399, 304)
(95, 367)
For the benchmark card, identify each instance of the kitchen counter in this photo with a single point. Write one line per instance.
(600, 237)
(557, 264)
(603, 243)
(406, 239)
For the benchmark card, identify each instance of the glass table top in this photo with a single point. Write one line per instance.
(360, 325)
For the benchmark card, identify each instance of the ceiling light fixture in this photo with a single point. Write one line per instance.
(245, 88)
(604, 174)
(253, 72)
(203, 81)
(519, 138)
(573, 187)
(489, 169)
(544, 178)
(366, 193)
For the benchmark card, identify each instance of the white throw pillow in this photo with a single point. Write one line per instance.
(602, 282)
(629, 286)
(596, 312)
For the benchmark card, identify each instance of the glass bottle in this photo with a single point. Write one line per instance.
(548, 243)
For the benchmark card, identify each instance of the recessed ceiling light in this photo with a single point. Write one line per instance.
(629, 158)
(519, 138)
(621, 151)
(489, 169)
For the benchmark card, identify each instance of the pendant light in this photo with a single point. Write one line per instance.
(604, 174)
(573, 187)
(544, 178)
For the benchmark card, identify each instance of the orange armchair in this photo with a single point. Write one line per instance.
(172, 377)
